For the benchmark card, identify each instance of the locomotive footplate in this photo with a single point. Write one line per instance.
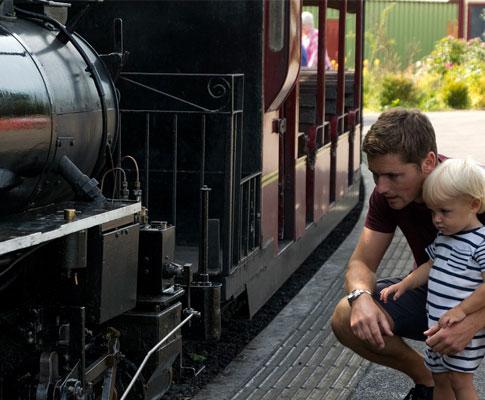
(41, 225)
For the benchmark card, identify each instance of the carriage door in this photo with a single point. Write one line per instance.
(281, 66)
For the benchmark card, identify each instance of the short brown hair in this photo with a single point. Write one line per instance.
(406, 132)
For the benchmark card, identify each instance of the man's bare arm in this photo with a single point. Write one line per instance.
(365, 259)
(368, 321)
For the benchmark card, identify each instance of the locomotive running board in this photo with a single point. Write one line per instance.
(42, 225)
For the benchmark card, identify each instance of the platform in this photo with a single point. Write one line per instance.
(297, 356)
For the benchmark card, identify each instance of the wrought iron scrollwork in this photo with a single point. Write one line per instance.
(199, 93)
(218, 87)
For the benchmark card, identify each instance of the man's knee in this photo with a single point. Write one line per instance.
(341, 320)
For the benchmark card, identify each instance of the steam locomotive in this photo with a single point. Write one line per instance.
(159, 159)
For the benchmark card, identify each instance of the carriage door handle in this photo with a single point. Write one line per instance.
(279, 126)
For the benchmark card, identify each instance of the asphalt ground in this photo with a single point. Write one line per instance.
(296, 356)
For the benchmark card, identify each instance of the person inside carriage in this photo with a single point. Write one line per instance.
(304, 57)
(401, 151)
(309, 40)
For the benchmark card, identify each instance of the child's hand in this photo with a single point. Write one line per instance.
(456, 314)
(398, 289)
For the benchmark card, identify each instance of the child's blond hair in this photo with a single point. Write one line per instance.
(455, 178)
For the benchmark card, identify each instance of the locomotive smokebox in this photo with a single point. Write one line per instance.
(56, 99)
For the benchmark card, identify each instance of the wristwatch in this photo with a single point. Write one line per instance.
(354, 294)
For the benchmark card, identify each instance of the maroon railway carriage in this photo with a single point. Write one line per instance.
(315, 177)
(221, 165)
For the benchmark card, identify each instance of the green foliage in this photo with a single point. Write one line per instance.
(381, 48)
(451, 76)
(398, 90)
(455, 94)
(475, 53)
(371, 89)
(428, 86)
(457, 68)
(477, 92)
(447, 52)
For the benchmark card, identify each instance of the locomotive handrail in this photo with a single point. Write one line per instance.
(154, 349)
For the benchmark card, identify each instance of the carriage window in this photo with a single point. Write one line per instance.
(277, 19)
(477, 22)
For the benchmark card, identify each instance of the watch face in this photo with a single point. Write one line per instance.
(353, 295)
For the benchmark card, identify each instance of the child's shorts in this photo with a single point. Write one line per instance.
(408, 312)
(466, 361)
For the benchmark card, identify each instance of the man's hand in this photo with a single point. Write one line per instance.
(453, 339)
(368, 322)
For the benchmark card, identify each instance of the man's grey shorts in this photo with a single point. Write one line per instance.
(408, 312)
